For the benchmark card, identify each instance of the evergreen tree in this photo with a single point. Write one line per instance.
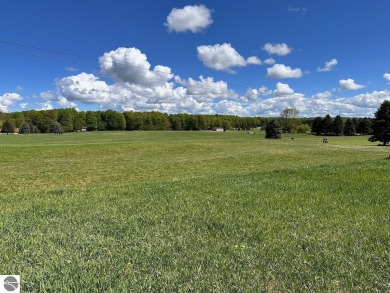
(327, 125)
(338, 125)
(364, 126)
(8, 127)
(381, 124)
(317, 126)
(25, 128)
(349, 127)
(273, 130)
(56, 128)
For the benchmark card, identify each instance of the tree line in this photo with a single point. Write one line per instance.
(69, 120)
(378, 127)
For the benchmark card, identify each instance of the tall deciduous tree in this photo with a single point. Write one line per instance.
(381, 124)
(115, 120)
(273, 130)
(288, 116)
(90, 121)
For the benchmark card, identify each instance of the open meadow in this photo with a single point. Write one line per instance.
(194, 211)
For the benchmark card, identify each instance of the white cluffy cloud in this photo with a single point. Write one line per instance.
(130, 65)
(254, 94)
(7, 100)
(223, 57)
(386, 76)
(283, 71)
(190, 18)
(328, 66)
(349, 84)
(278, 49)
(283, 89)
(269, 61)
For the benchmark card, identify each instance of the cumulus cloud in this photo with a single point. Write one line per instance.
(7, 100)
(223, 57)
(254, 94)
(44, 106)
(84, 87)
(283, 89)
(349, 84)
(130, 65)
(206, 89)
(190, 18)
(24, 105)
(253, 60)
(269, 61)
(278, 49)
(319, 104)
(181, 96)
(386, 76)
(328, 66)
(322, 95)
(231, 108)
(283, 71)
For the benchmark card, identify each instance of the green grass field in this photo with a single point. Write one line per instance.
(194, 211)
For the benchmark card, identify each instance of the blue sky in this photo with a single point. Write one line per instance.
(246, 58)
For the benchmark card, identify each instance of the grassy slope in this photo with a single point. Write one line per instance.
(203, 211)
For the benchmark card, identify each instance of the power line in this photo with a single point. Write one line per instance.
(43, 57)
(68, 54)
(46, 50)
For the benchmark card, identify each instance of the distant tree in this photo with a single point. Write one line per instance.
(8, 127)
(303, 128)
(34, 129)
(17, 118)
(317, 126)
(381, 124)
(90, 120)
(364, 126)
(327, 125)
(338, 125)
(78, 121)
(349, 127)
(25, 128)
(288, 116)
(56, 128)
(273, 130)
(114, 120)
(66, 117)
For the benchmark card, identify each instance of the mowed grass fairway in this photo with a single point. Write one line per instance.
(194, 211)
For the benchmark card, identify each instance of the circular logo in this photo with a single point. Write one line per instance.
(11, 284)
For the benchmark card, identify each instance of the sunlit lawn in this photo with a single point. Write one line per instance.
(194, 211)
